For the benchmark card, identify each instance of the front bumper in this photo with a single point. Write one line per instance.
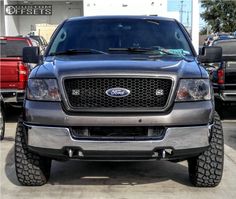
(59, 139)
(186, 128)
(176, 137)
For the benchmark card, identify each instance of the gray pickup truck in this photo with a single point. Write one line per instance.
(120, 88)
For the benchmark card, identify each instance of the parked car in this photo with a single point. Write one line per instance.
(40, 39)
(224, 74)
(111, 88)
(13, 72)
(34, 42)
(219, 36)
(224, 36)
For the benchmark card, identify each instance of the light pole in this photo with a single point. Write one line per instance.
(195, 24)
(181, 11)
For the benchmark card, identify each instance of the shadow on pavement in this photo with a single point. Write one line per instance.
(228, 112)
(107, 173)
(10, 167)
(117, 173)
(9, 139)
(229, 115)
(12, 114)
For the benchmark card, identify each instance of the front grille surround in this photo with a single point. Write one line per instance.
(139, 100)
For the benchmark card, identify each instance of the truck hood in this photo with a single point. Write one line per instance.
(79, 65)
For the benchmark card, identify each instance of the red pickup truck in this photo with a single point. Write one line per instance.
(13, 72)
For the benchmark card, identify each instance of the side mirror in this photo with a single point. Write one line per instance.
(210, 54)
(31, 55)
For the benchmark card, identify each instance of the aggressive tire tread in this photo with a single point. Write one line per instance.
(31, 169)
(206, 170)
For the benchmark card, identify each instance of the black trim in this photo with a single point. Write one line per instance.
(53, 37)
(102, 133)
(69, 108)
(186, 34)
(62, 154)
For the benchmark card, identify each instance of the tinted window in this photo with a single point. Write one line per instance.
(102, 34)
(12, 48)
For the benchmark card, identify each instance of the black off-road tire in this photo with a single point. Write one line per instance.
(31, 169)
(206, 170)
(2, 120)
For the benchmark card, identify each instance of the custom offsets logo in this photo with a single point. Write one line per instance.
(28, 10)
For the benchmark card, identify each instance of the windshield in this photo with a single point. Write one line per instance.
(105, 34)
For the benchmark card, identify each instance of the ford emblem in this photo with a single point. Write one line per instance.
(117, 92)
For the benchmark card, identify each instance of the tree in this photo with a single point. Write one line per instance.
(220, 15)
(203, 31)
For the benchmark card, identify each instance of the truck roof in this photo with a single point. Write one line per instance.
(121, 17)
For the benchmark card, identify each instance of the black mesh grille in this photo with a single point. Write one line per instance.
(91, 93)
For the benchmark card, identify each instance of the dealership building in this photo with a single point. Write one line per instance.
(42, 17)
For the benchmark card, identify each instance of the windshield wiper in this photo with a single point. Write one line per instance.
(130, 49)
(78, 51)
(140, 49)
(154, 52)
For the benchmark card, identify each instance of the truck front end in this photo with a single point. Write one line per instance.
(113, 94)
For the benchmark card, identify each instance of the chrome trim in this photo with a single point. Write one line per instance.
(225, 93)
(228, 95)
(11, 91)
(176, 137)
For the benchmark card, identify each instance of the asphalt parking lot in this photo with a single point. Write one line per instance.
(121, 180)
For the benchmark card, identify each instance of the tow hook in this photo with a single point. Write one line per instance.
(80, 154)
(70, 153)
(162, 153)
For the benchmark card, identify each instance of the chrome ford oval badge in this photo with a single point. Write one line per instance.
(117, 92)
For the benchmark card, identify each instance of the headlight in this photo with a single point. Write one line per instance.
(194, 90)
(43, 89)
